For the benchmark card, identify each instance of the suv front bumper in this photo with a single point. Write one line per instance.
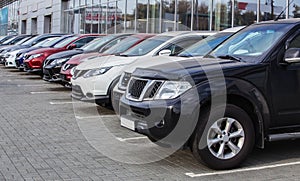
(165, 121)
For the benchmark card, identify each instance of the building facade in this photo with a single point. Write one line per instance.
(9, 18)
(147, 16)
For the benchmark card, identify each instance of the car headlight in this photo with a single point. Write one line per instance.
(35, 56)
(59, 62)
(97, 71)
(124, 80)
(72, 71)
(172, 89)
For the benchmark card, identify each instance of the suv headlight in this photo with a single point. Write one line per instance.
(72, 71)
(172, 89)
(124, 80)
(59, 62)
(97, 71)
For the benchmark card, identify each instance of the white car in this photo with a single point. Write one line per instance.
(197, 50)
(93, 80)
(10, 58)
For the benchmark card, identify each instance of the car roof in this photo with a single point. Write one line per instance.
(143, 35)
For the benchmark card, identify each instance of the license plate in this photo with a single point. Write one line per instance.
(130, 124)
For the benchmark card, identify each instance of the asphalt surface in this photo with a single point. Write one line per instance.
(43, 136)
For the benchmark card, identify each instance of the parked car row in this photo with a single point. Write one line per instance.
(217, 93)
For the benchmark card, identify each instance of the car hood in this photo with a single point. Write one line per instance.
(145, 62)
(194, 70)
(25, 50)
(77, 59)
(65, 54)
(105, 61)
(43, 50)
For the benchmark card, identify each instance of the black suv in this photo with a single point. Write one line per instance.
(241, 94)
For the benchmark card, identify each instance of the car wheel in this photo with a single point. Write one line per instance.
(225, 141)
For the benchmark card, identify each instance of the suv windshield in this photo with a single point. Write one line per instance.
(65, 42)
(97, 43)
(204, 46)
(251, 43)
(122, 46)
(146, 46)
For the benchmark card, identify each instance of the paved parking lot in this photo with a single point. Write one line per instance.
(40, 140)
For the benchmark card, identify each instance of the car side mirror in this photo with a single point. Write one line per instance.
(72, 46)
(292, 55)
(165, 52)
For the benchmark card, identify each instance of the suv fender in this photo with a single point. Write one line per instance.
(245, 95)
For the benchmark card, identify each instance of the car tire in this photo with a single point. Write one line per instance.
(225, 140)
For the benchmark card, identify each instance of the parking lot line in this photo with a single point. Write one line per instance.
(45, 92)
(133, 138)
(193, 175)
(32, 85)
(97, 116)
(61, 103)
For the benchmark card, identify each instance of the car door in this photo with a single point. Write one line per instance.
(285, 86)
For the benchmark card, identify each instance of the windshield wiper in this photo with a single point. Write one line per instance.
(230, 57)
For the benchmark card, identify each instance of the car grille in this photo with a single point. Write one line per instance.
(68, 66)
(140, 89)
(47, 62)
(26, 57)
(136, 88)
(79, 73)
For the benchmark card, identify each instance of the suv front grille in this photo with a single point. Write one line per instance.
(137, 87)
(140, 89)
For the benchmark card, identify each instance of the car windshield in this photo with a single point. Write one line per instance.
(251, 43)
(65, 42)
(97, 43)
(41, 43)
(23, 40)
(146, 46)
(8, 41)
(124, 45)
(52, 41)
(204, 46)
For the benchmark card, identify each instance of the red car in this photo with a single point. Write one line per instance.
(125, 44)
(34, 60)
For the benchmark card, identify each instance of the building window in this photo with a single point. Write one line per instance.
(34, 26)
(47, 24)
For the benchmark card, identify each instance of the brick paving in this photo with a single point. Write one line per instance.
(40, 141)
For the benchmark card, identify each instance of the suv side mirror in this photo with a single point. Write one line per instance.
(165, 52)
(292, 55)
(72, 46)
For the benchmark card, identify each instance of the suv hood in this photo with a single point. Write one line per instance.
(193, 70)
(145, 62)
(105, 61)
(65, 54)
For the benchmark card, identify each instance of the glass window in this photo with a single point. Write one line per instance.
(23, 40)
(246, 44)
(245, 12)
(201, 15)
(184, 15)
(222, 14)
(79, 43)
(123, 45)
(65, 42)
(294, 9)
(146, 46)
(205, 46)
(178, 47)
(271, 9)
